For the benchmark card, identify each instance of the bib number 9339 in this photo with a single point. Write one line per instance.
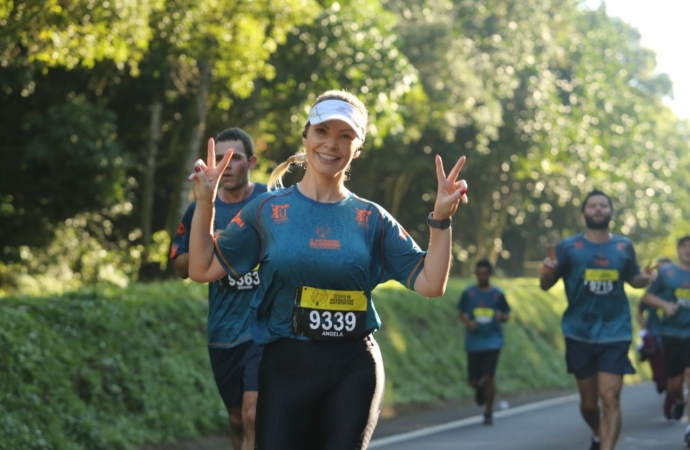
(326, 314)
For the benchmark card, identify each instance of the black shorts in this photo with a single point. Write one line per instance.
(481, 363)
(236, 371)
(584, 359)
(319, 395)
(677, 352)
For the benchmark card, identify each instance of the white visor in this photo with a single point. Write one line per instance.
(338, 110)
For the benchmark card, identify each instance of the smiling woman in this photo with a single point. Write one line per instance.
(321, 251)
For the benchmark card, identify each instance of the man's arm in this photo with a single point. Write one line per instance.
(652, 300)
(469, 323)
(547, 274)
(641, 280)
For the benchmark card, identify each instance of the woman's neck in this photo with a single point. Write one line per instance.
(322, 190)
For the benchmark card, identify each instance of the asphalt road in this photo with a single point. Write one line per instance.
(549, 423)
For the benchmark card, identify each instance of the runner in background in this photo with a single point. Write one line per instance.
(650, 347)
(234, 357)
(597, 322)
(671, 292)
(482, 308)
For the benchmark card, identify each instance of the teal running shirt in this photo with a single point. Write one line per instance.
(228, 302)
(481, 306)
(319, 263)
(673, 285)
(593, 274)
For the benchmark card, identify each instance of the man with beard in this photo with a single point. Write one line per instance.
(671, 293)
(597, 322)
(234, 356)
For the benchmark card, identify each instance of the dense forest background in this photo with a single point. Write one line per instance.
(105, 105)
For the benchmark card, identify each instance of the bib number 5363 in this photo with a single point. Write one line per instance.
(248, 282)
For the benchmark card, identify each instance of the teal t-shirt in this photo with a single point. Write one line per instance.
(319, 263)
(481, 306)
(593, 274)
(673, 284)
(228, 301)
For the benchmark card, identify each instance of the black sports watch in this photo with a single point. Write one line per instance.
(440, 224)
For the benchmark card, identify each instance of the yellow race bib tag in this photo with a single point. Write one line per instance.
(601, 281)
(601, 275)
(483, 315)
(332, 300)
(328, 314)
(683, 297)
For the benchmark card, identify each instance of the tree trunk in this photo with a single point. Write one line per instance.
(197, 134)
(150, 172)
(146, 270)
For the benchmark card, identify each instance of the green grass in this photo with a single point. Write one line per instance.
(112, 368)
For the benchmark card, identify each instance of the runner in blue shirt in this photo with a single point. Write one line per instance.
(322, 251)
(483, 308)
(234, 357)
(597, 322)
(650, 347)
(671, 292)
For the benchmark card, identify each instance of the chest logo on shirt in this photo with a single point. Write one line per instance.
(323, 243)
(238, 220)
(621, 246)
(181, 229)
(599, 261)
(363, 217)
(279, 213)
(578, 245)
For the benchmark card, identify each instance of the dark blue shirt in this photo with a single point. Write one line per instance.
(229, 299)
(319, 263)
(481, 306)
(673, 285)
(593, 274)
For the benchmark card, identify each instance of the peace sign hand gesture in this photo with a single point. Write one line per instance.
(207, 176)
(450, 191)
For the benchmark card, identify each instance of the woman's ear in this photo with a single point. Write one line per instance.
(357, 152)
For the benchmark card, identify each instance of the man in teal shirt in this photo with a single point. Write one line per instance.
(483, 308)
(671, 293)
(597, 322)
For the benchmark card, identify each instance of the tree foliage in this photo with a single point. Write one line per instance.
(105, 104)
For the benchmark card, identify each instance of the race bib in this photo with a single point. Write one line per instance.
(325, 314)
(601, 281)
(249, 282)
(483, 315)
(683, 297)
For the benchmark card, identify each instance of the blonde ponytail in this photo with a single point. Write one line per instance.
(275, 181)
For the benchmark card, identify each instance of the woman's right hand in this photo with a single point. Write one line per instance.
(207, 176)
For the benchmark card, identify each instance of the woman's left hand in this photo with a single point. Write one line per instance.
(451, 191)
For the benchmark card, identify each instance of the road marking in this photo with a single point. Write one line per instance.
(470, 421)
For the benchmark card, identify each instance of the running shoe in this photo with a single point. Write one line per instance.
(488, 418)
(668, 406)
(595, 445)
(678, 410)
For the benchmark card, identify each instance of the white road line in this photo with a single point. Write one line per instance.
(470, 421)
